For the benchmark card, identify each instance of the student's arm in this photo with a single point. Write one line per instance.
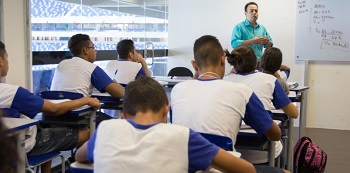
(61, 108)
(81, 154)
(115, 90)
(141, 60)
(291, 110)
(226, 162)
(274, 132)
(260, 120)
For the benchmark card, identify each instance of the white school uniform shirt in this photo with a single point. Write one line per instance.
(216, 106)
(28, 104)
(124, 71)
(125, 146)
(79, 75)
(265, 86)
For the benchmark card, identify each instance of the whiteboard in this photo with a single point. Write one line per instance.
(322, 30)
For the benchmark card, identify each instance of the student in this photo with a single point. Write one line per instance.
(211, 105)
(131, 64)
(271, 63)
(251, 33)
(42, 140)
(79, 74)
(266, 87)
(143, 142)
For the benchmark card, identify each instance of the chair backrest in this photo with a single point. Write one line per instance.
(10, 112)
(58, 95)
(180, 71)
(220, 141)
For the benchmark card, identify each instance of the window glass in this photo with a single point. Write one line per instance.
(106, 22)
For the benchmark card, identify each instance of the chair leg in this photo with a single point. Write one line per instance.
(63, 163)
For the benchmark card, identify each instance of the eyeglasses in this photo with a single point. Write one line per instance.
(91, 47)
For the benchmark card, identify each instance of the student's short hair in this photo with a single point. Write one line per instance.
(242, 58)
(124, 47)
(271, 60)
(249, 3)
(77, 42)
(142, 95)
(2, 49)
(207, 51)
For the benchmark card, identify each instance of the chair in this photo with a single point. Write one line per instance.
(220, 141)
(35, 161)
(57, 95)
(180, 71)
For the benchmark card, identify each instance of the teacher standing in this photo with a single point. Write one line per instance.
(249, 32)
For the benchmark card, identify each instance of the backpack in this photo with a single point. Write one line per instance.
(308, 157)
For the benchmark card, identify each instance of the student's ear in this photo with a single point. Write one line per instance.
(165, 113)
(194, 65)
(223, 59)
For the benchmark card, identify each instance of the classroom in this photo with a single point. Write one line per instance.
(326, 115)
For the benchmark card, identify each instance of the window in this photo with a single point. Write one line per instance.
(106, 22)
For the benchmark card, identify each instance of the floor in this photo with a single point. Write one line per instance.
(336, 143)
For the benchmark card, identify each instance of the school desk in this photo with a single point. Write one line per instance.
(247, 138)
(17, 127)
(82, 115)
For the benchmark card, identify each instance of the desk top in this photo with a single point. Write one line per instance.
(245, 129)
(174, 80)
(16, 124)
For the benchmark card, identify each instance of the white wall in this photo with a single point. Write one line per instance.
(327, 97)
(15, 37)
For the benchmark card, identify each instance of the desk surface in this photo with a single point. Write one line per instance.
(77, 111)
(16, 124)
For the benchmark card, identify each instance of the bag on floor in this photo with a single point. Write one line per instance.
(308, 157)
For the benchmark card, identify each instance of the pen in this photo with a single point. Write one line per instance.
(115, 73)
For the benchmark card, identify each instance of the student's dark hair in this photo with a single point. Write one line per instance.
(249, 3)
(271, 60)
(124, 47)
(77, 42)
(207, 51)
(2, 49)
(242, 58)
(142, 95)
(8, 151)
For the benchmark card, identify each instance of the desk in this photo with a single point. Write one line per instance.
(18, 127)
(302, 92)
(170, 81)
(71, 118)
(247, 138)
(77, 167)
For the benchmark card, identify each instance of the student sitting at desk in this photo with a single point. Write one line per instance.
(211, 105)
(79, 74)
(266, 87)
(131, 64)
(42, 140)
(143, 142)
(271, 63)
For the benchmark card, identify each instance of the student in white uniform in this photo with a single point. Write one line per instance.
(143, 142)
(79, 74)
(130, 64)
(271, 63)
(211, 105)
(266, 87)
(42, 140)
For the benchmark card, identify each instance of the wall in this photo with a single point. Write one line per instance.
(188, 20)
(15, 37)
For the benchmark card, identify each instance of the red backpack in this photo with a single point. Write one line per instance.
(308, 157)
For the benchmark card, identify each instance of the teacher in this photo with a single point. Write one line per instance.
(249, 32)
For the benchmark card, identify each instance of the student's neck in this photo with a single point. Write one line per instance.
(209, 73)
(148, 118)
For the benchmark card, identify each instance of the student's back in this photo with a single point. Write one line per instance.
(265, 86)
(211, 106)
(131, 147)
